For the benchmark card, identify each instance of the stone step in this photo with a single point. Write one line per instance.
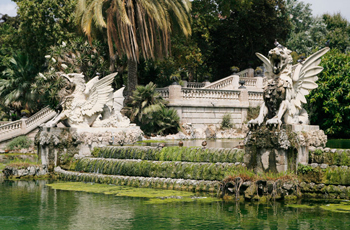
(143, 182)
(164, 169)
(187, 154)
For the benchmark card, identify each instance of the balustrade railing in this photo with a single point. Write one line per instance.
(195, 84)
(255, 96)
(212, 94)
(39, 117)
(222, 83)
(243, 73)
(249, 81)
(164, 92)
(13, 126)
(24, 126)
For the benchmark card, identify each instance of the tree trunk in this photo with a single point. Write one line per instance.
(132, 76)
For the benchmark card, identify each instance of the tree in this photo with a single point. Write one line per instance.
(15, 84)
(150, 113)
(44, 23)
(338, 31)
(75, 56)
(232, 38)
(8, 39)
(308, 33)
(135, 26)
(329, 104)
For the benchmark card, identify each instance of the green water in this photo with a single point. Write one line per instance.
(33, 205)
(338, 143)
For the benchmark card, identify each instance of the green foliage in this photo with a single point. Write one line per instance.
(226, 121)
(172, 154)
(44, 23)
(253, 113)
(75, 56)
(149, 112)
(329, 104)
(166, 121)
(304, 169)
(15, 84)
(21, 142)
(8, 35)
(308, 32)
(338, 31)
(163, 169)
(230, 32)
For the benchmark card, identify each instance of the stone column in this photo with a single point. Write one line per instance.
(243, 97)
(235, 82)
(259, 83)
(174, 93)
(250, 72)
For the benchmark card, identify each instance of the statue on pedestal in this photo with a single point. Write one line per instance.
(287, 87)
(92, 104)
(279, 138)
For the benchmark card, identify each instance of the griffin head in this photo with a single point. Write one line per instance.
(279, 58)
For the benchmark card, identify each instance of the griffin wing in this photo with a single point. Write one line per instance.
(305, 77)
(98, 95)
(118, 99)
(267, 64)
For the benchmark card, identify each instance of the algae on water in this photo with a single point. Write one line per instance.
(154, 196)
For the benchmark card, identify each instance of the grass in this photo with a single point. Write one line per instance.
(20, 163)
(153, 196)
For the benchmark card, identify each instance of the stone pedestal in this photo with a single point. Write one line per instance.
(270, 149)
(57, 145)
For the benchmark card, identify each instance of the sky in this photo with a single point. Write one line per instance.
(318, 7)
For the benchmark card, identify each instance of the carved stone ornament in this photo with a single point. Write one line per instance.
(91, 104)
(287, 87)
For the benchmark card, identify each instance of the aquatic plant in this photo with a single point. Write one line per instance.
(188, 154)
(165, 169)
(143, 182)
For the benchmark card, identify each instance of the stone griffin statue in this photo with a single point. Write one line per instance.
(92, 104)
(287, 86)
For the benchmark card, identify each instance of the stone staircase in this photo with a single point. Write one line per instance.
(189, 169)
(25, 125)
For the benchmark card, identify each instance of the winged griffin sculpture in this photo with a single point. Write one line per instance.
(92, 104)
(287, 86)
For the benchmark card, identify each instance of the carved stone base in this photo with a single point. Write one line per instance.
(57, 146)
(269, 149)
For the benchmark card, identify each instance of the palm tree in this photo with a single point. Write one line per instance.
(135, 26)
(15, 83)
(145, 101)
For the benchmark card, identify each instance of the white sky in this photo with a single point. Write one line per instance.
(318, 7)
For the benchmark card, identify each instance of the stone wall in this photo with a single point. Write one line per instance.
(200, 115)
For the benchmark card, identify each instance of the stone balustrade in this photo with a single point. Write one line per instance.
(25, 125)
(195, 84)
(209, 94)
(164, 92)
(10, 127)
(207, 103)
(39, 117)
(221, 84)
(255, 98)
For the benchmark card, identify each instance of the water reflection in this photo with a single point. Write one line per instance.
(338, 143)
(32, 205)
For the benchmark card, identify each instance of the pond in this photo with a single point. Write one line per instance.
(33, 205)
(338, 143)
